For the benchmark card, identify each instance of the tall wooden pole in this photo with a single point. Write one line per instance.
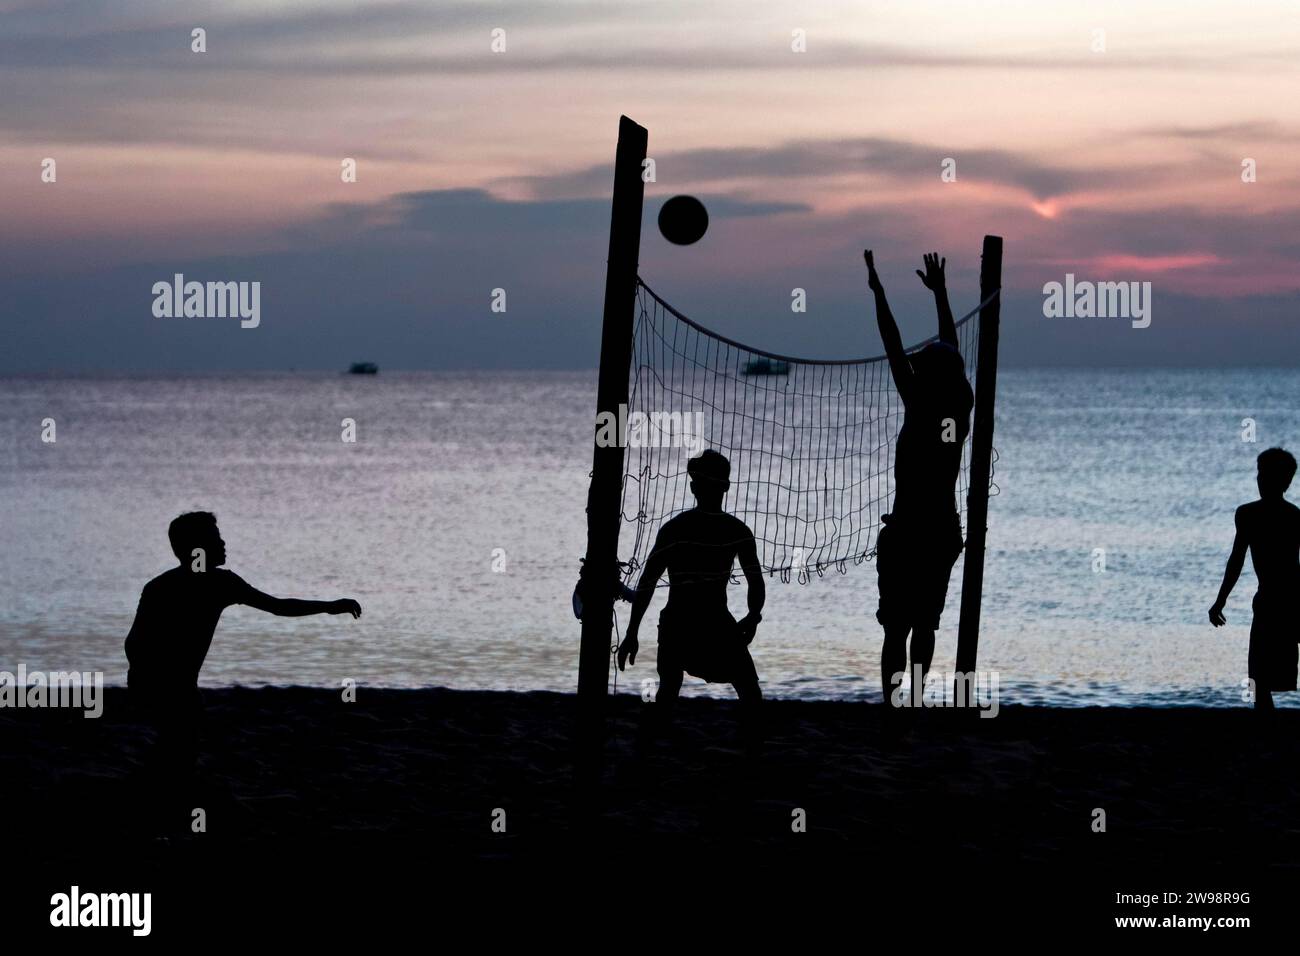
(604, 498)
(981, 457)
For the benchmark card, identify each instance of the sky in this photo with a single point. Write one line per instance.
(1102, 139)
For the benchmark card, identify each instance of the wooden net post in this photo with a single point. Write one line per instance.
(600, 569)
(981, 458)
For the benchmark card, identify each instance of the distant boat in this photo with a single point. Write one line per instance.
(766, 366)
(363, 368)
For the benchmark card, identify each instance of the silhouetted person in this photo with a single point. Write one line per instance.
(697, 634)
(1270, 529)
(921, 537)
(173, 628)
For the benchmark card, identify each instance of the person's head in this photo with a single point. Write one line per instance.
(710, 475)
(938, 364)
(1276, 469)
(197, 529)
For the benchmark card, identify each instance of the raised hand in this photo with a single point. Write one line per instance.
(933, 275)
(873, 280)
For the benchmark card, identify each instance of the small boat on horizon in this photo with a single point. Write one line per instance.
(766, 366)
(363, 368)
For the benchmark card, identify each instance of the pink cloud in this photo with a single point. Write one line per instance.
(1127, 262)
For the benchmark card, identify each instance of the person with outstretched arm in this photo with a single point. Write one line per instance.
(173, 628)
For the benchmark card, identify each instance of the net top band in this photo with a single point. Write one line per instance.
(794, 358)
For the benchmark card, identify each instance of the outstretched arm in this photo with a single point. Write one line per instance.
(655, 565)
(934, 280)
(755, 586)
(1236, 560)
(898, 364)
(293, 607)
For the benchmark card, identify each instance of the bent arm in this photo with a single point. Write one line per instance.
(655, 566)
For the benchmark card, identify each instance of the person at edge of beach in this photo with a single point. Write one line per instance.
(1270, 529)
(172, 631)
(697, 633)
(921, 536)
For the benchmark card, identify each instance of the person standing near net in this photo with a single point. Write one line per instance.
(697, 633)
(921, 537)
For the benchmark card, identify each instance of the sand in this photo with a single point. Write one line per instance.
(344, 810)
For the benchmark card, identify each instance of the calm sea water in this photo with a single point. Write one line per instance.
(449, 467)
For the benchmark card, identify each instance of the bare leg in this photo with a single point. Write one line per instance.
(670, 685)
(656, 718)
(170, 763)
(746, 682)
(922, 655)
(893, 660)
(747, 690)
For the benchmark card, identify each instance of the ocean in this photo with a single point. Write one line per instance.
(457, 519)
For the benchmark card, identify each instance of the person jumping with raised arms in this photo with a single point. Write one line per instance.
(922, 535)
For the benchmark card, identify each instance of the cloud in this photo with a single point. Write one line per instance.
(375, 40)
(893, 158)
(407, 281)
(166, 50)
(1264, 130)
(478, 215)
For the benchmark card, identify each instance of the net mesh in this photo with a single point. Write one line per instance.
(810, 442)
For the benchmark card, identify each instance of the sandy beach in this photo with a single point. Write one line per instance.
(303, 793)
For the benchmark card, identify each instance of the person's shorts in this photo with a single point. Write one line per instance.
(1273, 655)
(705, 646)
(163, 701)
(913, 563)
